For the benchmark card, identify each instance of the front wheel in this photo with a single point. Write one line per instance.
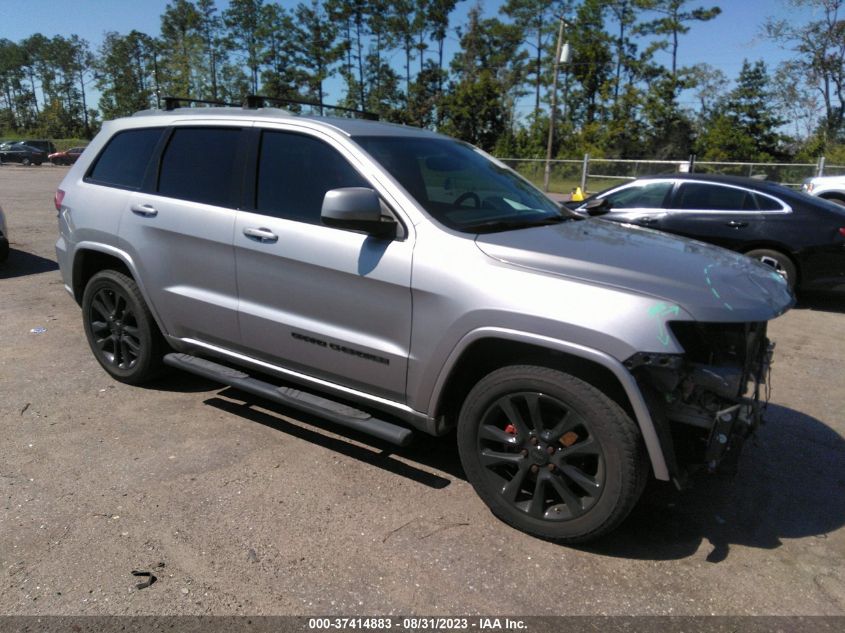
(120, 328)
(25, 162)
(550, 454)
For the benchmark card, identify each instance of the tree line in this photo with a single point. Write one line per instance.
(621, 93)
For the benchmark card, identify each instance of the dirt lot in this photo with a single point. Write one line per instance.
(252, 510)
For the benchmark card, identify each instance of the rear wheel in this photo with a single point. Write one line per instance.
(25, 162)
(781, 263)
(120, 328)
(550, 454)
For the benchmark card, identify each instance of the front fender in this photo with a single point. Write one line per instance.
(628, 382)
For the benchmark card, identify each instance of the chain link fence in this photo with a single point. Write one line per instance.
(596, 174)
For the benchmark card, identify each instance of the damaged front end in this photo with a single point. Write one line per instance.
(706, 402)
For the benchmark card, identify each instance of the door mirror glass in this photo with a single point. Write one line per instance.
(597, 206)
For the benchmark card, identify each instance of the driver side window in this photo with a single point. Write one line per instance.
(294, 173)
(649, 196)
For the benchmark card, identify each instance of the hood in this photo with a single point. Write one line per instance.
(708, 282)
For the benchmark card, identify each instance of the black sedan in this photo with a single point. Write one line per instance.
(800, 236)
(21, 153)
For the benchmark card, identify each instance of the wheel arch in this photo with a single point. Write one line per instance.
(778, 247)
(91, 258)
(487, 349)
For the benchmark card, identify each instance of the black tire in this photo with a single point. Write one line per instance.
(4, 249)
(25, 162)
(780, 262)
(571, 481)
(120, 329)
(835, 200)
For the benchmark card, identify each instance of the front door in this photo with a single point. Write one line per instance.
(331, 303)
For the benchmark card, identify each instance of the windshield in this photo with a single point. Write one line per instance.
(459, 186)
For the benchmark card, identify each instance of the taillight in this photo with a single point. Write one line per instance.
(842, 231)
(57, 199)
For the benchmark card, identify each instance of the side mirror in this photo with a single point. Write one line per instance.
(357, 209)
(597, 206)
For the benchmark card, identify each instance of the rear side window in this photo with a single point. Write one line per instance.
(294, 174)
(125, 158)
(765, 203)
(198, 165)
(707, 197)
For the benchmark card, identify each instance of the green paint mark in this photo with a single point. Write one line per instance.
(661, 311)
(716, 294)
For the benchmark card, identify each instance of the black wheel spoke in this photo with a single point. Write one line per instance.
(514, 417)
(566, 423)
(101, 342)
(132, 345)
(537, 506)
(497, 458)
(572, 502)
(99, 326)
(494, 433)
(124, 353)
(588, 447)
(590, 485)
(108, 302)
(120, 306)
(132, 331)
(512, 488)
(533, 402)
(100, 308)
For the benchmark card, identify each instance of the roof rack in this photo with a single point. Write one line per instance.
(258, 101)
(171, 103)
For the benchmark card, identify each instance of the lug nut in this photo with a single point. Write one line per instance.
(550, 450)
(534, 441)
(551, 466)
(535, 468)
(524, 452)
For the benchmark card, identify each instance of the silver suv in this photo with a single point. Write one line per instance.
(391, 279)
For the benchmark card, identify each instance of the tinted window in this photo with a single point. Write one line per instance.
(198, 165)
(458, 185)
(124, 160)
(294, 174)
(703, 196)
(765, 203)
(648, 196)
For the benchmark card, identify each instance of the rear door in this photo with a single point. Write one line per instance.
(178, 230)
(331, 303)
(726, 215)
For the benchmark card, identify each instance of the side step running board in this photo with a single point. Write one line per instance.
(330, 410)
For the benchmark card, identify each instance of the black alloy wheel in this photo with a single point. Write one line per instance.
(541, 455)
(114, 326)
(120, 329)
(550, 454)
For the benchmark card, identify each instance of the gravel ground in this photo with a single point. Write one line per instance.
(237, 507)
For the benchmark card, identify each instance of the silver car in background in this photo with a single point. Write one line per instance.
(394, 280)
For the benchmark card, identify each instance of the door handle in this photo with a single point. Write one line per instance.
(737, 224)
(646, 219)
(262, 235)
(145, 210)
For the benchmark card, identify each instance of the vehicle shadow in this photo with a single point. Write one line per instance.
(790, 484)
(374, 451)
(21, 263)
(821, 302)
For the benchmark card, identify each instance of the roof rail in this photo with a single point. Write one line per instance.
(258, 101)
(171, 103)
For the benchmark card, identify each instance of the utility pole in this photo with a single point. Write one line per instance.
(547, 171)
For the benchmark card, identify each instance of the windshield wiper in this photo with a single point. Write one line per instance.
(514, 223)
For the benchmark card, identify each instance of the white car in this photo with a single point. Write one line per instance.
(828, 187)
(4, 237)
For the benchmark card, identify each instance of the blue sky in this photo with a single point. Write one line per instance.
(723, 42)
